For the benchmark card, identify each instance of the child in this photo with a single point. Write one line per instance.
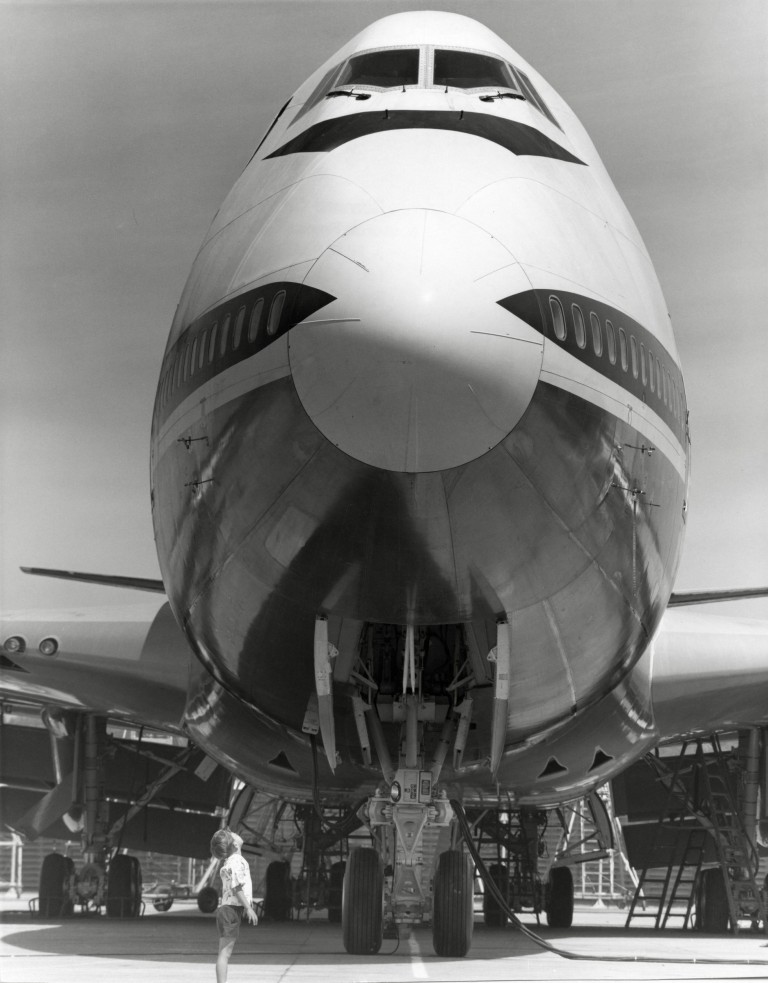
(236, 896)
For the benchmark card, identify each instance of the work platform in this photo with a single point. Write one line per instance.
(179, 947)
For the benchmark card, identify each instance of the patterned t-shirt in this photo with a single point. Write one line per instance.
(235, 873)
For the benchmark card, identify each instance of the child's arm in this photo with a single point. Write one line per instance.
(250, 914)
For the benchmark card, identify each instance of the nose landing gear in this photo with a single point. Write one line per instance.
(417, 872)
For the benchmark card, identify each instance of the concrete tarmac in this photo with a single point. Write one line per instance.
(180, 945)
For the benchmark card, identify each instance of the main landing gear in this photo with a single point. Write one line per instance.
(95, 800)
(107, 879)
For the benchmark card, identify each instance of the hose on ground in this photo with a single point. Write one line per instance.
(492, 887)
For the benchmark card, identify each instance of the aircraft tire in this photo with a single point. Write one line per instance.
(55, 900)
(493, 915)
(123, 887)
(208, 900)
(336, 891)
(559, 898)
(712, 913)
(277, 896)
(453, 912)
(362, 905)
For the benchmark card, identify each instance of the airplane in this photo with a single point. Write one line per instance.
(420, 461)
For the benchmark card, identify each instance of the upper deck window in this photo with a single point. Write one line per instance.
(597, 333)
(578, 326)
(558, 318)
(212, 342)
(224, 335)
(238, 328)
(623, 348)
(275, 312)
(255, 322)
(382, 69)
(468, 70)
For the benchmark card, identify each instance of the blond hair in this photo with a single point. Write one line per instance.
(222, 844)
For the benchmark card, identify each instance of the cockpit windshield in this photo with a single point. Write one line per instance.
(468, 70)
(396, 68)
(383, 69)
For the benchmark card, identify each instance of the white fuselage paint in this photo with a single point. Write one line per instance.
(409, 375)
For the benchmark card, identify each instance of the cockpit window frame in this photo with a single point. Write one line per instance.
(329, 81)
(514, 87)
(533, 96)
(366, 87)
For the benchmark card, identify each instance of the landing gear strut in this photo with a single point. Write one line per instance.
(416, 872)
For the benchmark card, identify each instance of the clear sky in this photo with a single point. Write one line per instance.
(124, 125)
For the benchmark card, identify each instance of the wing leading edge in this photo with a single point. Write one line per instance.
(709, 674)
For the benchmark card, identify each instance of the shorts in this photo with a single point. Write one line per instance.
(228, 918)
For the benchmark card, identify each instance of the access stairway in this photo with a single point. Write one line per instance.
(700, 858)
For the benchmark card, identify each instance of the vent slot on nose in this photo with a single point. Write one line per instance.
(281, 761)
(553, 768)
(600, 758)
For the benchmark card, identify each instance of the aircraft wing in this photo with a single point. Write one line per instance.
(105, 580)
(709, 673)
(681, 598)
(127, 665)
(129, 662)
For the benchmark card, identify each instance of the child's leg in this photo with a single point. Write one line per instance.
(228, 925)
(225, 951)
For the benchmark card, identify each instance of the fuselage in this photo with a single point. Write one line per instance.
(422, 374)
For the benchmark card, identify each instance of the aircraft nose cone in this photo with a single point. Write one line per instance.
(415, 366)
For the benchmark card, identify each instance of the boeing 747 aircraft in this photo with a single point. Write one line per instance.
(419, 478)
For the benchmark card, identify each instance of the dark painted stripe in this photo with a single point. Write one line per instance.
(516, 137)
(300, 303)
(6, 663)
(533, 307)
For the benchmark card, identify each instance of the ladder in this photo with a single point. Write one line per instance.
(701, 811)
(660, 889)
(736, 853)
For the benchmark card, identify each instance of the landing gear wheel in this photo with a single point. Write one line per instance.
(55, 899)
(123, 887)
(336, 890)
(277, 897)
(493, 914)
(453, 915)
(712, 914)
(207, 900)
(559, 898)
(362, 906)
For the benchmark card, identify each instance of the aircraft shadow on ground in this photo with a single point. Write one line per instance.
(193, 940)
